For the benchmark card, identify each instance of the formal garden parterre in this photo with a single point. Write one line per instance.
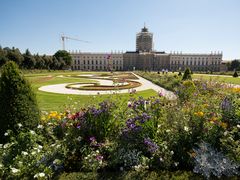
(195, 136)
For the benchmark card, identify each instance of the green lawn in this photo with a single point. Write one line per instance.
(219, 78)
(60, 102)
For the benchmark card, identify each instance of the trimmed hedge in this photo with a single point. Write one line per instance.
(18, 105)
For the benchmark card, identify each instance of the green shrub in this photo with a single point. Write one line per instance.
(187, 75)
(18, 106)
(235, 74)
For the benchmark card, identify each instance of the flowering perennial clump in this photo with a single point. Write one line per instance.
(138, 134)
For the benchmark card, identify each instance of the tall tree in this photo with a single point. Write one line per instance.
(29, 60)
(14, 55)
(40, 64)
(235, 65)
(3, 58)
(65, 56)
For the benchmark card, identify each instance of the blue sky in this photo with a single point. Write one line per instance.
(190, 26)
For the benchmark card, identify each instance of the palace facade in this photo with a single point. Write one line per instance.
(97, 61)
(145, 58)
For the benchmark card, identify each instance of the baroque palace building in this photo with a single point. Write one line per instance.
(145, 58)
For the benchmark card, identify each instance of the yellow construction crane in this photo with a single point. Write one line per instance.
(63, 38)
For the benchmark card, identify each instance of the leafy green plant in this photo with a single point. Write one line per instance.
(187, 75)
(17, 101)
(235, 74)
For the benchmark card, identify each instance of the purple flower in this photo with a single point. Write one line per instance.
(132, 126)
(151, 146)
(99, 157)
(92, 139)
(226, 104)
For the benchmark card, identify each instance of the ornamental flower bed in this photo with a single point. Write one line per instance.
(199, 133)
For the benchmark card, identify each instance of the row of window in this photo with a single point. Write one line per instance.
(204, 68)
(96, 68)
(195, 58)
(97, 62)
(196, 63)
(92, 57)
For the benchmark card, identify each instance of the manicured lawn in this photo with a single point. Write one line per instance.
(60, 102)
(218, 78)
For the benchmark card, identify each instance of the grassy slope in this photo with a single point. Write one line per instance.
(59, 102)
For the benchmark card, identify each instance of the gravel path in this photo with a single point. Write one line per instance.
(61, 88)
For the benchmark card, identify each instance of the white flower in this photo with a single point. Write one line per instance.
(168, 130)
(33, 153)
(79, 138)
(19, 125)
(172, 152)
(161, 159)
(5, 134)
(56, 161)
(238, 125)
(5, 146)
(40, 147)
(24, 153)
(176, 163)
(225, 133)
(159, 125)
(32, 132)
(145, 105)
(14, 170)
(186, 128)
(97, 151)
(121, 168)
(1, 166)
(40, 126)
(39, 175)
(1, 145)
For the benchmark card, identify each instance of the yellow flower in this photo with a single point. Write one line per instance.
(211, 121)
(205, 105)
(224, 125)
(54, 115)
(200, 114)
(43, 118)
(236, 90)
